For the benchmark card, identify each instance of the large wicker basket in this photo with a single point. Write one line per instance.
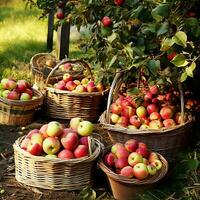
(125, 188)
(15, 112)
(166, 141)
(67, 104)
(55, 173)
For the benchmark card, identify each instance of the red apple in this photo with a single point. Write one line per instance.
(148, 96)
(140, 171)
(142, 145)
(153, 156)
(124, 121)
(152, 108)
(30, 133)
(134, 158)
(84, 140)
(125, 103)
(131, 145)
(24, 143)
(70, 85)
(37, 137)
(34, 148)
(29, 91)
(128, 111)
(115, 147)
(121, 163)
(121, 152)
(141, 111)
(51, 145)
(67, 77)
(119, 2)
(168, 123)
(67, 66)
(60, 14)
(119, 100)
(106, 21)
(143, 151)
(81, 151)
(109, 159)
(155, 124)
(22, 85)
(65, 154)
(170, 56)
(154, 116)
(11, 84)
(166, 112)
(135, 121)
(116, 109)
(144, 120)
(43, 131)
(153, 89)
(91, 87)
(60, 86)
(80, 88)
(13, 95)
(127, 172)
(70, 140)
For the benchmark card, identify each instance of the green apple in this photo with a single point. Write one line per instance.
(51, 145)
(51, 156)
(140, 171)
(85, 128)
(151, 169)
(157, 164)
(5, 93)
(54, 128)
(74, 122)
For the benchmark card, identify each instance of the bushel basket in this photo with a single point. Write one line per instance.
(166, 141)
(55, 173)
(16, 112)
(63, 104)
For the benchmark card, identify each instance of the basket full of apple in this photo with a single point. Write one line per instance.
(151, 114)
(71, 97)
(56, 157)
(18, 102)
(131, 168)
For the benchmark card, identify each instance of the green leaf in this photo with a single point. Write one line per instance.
(179, 60)
(154, 66)
(166, 44)
(129, 50)
(183, 77)
(193, 164)
(113, 60)
(189, 70)
(161, 11)
(163, 29)
(180, 38)
(112, 37)
(133, 91)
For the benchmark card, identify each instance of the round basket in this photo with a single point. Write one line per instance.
(125, 188)
(166, 141)
(15, 112)
(55, 173)
(66, 104)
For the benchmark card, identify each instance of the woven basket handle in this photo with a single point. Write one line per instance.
(114, 89)
(81, 62)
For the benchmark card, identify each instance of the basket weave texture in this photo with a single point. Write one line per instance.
(15, 112)
(67, 104)
(55, 173)
(166, 141)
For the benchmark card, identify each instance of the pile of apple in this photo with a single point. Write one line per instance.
(16, 90)
(132, 160)
(155, 111)
(54, 140)
(78, 86)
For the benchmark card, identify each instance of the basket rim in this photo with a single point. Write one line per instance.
(26, 102)
(149, 180)
(93, 156)
(112, 127)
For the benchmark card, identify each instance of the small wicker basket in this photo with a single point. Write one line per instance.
(67, 104)
(166, 141)
(15, 112)
(125, 188)
(55, 173)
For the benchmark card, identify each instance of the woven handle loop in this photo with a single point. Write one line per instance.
(81, 62)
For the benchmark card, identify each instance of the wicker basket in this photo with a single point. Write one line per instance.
(125, 188)
(40, 71)
(55, 173)
(66, 104)
(15, 112)
(166, 141)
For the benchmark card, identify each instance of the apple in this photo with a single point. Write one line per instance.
(22, 85)
(142, 145)
(132, 127)
(157, 164)
(143, 151)
(5, 93)
(148, 96)
(37, 137)
(43, 131)
(91, 87)
(60, 14)
(135, 121)
(85, 81)
(170, 56)
(114, 118)
(121, 152)
(70, 140)
(179, 119)
(131, 145)
(145, 161)
(144, 120)
(24, 143)
(70, 85)
(77, 82)
(168, 123)
(84, 140)
(80, 88)
(51, 145)
(151, 169)
(67, 66)
(125, 103)
(107, 21)
(30, 133)
(109, 159)
(100, 87)
(60, 86)
(154, 100)
(152, 108)
(67, 77)
(127, 172)
(65, 154)
(154, 116)
(144, 126)
(124, 121)
(85, 128)
(34, 148)
(134, 158)
(50, 156)
(155, 124)
(121, 163)
(81, 151)
(140, 171)
(25, 97)
(11, 84)
(54, 128)
(116, 109)
(141, 111)
(153, 89)
(4, 82)
(29, 91)
(115, 147)
(13, 95)
(128, 111)
(119, 100)
(119, 2)
(74, 123)
(153, 156)
(166, 112)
